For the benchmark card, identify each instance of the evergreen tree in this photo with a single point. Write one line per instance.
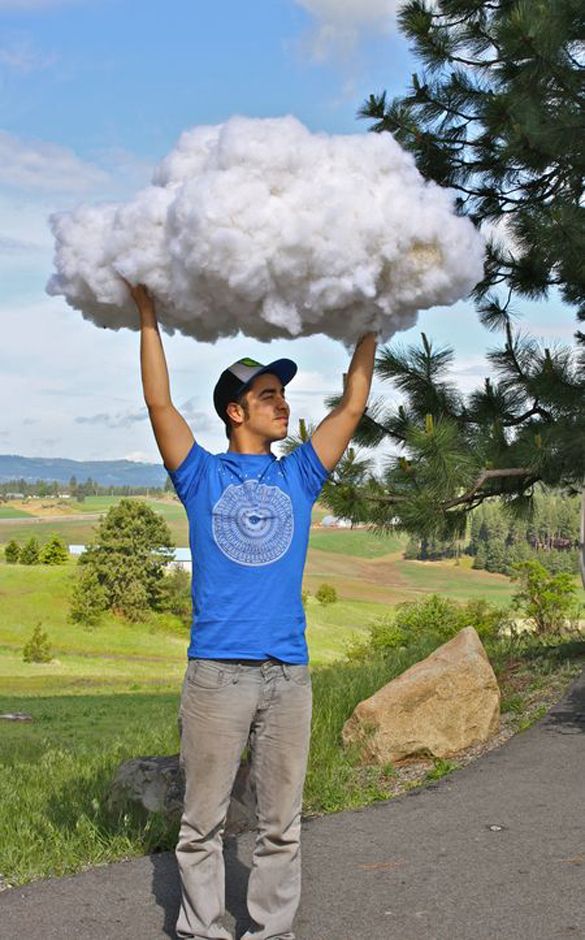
(54, 552)
(30, 551)
(498, 115)
(128, 555)
(88, 600)
(12, 552)
(38, 647)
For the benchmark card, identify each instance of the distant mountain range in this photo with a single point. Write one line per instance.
(104, 472)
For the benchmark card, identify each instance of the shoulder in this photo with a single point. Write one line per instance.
(305, 464)
(187, 475)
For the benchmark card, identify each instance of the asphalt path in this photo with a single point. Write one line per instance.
(495, 851)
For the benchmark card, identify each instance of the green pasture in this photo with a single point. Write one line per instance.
(330, 628)
(72, 531)
(7, 512)
(361, 543)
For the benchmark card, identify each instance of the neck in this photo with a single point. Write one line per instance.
(246, 444)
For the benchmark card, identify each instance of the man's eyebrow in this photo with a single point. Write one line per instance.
(269, 391)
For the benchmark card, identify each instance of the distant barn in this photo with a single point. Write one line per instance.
(334, 522)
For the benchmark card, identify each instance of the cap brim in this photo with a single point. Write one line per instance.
(285, 369)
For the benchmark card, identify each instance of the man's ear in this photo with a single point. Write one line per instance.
(235, 412)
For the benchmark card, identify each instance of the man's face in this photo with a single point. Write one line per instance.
(268, 410)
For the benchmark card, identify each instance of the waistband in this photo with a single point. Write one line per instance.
(241, 662)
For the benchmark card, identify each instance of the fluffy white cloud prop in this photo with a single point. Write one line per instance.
(262, 227)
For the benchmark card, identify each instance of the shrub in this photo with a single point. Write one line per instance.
(304, 596)
(38, 648)
(175, 594)
(12, 552)
(326, 594)
(430, 621)
(88, 600)
(30, 551)
(54, 552)
(547, 600)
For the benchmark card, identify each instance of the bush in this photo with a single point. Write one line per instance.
(304, 596)
(175, 594)
(88, 600)
(547, 600)
(54, 552)
(30, 551)
(12, 552)
(432, 620)
(326, 594)
(384, 636)
(38, 648)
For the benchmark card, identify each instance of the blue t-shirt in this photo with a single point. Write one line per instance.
(249, 519)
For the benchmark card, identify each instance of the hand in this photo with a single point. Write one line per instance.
(140, 295)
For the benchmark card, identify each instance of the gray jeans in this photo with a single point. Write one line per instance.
(223, 705)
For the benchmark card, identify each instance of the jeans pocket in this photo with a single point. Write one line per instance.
(209, 674)
(298, 673)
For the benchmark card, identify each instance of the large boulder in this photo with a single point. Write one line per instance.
(158, 786)
(438, 707)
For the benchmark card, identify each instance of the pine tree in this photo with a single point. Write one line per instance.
(497, 114)
(38, 647)
(12, 552)
(132, 546)
(30, 551)
(88, 600)
(54, 552)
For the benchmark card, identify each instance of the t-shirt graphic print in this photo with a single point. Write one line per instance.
(253, 523)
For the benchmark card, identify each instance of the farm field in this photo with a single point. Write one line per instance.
(368, 572)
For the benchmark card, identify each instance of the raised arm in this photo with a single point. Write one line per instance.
(334, 433)
(173, 435)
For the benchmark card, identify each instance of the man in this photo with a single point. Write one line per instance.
(247, 680)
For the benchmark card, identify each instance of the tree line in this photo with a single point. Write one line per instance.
(76, 490)
(497, 540)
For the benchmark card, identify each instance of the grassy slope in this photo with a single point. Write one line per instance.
(116, 652)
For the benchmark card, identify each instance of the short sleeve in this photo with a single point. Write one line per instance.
(311, 471)
(187, 476)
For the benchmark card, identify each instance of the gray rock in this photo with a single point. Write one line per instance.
(157, 784)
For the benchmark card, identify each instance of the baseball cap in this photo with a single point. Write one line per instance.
(236, 378)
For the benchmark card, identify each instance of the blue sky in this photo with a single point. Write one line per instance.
(92, 95)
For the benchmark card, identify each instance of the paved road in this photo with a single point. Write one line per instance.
(494, 852)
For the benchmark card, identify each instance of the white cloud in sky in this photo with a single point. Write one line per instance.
(44, 166)
(340, 24)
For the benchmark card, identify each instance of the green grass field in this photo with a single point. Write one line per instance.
(7, 512)
(359, 543)
(112, 692)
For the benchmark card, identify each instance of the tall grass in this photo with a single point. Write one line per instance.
(55, 776)
(56, 819)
